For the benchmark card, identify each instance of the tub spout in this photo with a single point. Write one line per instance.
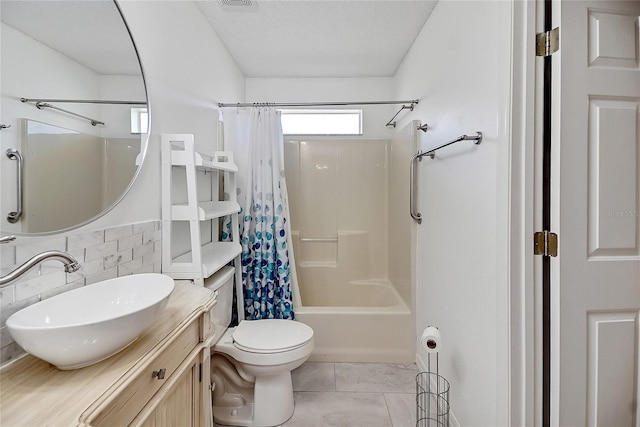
(69, 262)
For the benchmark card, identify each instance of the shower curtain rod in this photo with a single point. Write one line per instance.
(314, 104)
(83, 101)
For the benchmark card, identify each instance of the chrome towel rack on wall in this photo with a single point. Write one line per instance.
(432, 154)
(409, 107)
(45, 103)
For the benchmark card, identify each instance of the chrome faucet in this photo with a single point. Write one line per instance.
(69, 262)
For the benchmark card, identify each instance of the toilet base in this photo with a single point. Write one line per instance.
(268, 403)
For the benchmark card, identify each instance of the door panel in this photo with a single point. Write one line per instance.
(597, 206)
(613, 185)
(612, 357)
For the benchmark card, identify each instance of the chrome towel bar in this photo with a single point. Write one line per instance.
(432, 154)
(42, 105)
(392, 121)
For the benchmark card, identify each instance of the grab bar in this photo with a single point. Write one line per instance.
(412, 178)
(318, 239)
(432, 154)
(14, 154)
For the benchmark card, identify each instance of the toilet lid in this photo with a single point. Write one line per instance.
(271, 335)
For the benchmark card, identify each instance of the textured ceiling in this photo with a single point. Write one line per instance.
(89, 32)
(270, 38)
(318, 38)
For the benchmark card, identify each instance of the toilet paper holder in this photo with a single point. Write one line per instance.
(432, 389)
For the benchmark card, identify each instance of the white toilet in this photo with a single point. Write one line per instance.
(251, 363)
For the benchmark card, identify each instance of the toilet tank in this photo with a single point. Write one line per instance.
(222, 283)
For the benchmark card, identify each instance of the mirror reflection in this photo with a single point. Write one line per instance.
(74, 107)
(105, 165)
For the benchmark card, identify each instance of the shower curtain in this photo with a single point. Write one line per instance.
(255, 137)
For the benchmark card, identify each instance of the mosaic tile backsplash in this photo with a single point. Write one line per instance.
(104, 254)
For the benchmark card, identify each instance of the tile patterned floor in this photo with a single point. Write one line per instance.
(353, 395)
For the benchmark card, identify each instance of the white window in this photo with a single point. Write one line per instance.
(139, 120)
(322, 122)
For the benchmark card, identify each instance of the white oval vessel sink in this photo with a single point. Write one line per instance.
(86, 325)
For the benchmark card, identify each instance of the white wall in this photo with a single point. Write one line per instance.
(188, 71)
(332, 90)
(33, 70)
(460, 67)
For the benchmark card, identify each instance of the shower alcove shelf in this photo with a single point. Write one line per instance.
(204, 253)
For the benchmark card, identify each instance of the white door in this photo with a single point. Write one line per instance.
(596, 205)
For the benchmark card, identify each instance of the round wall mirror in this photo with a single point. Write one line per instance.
(73, 113)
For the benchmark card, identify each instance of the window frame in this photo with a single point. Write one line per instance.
(137, 121)
(326, 112)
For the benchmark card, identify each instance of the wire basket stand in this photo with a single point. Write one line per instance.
(432, 397)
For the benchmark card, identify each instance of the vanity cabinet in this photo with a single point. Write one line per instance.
(162, 379)
(181, 406)
(192, 210)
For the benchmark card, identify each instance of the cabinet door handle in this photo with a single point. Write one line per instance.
(159, 374)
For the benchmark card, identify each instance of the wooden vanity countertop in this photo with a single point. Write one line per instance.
(36, 393)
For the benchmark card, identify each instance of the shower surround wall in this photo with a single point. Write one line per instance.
(338, 198)
(339, 201)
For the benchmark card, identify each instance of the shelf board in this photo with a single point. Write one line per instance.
(206, 210)
(215, 255)
(202, 161)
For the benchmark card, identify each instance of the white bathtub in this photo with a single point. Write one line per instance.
(354, 319)
(366, 321)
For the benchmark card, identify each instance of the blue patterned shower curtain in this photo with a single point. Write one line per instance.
(255, 137)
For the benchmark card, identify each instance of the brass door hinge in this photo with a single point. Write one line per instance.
(545, 243)
(548, 42)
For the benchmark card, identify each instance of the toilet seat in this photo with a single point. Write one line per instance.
(268, 336)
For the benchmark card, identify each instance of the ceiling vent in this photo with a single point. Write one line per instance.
(237, 3)
(240, 6)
